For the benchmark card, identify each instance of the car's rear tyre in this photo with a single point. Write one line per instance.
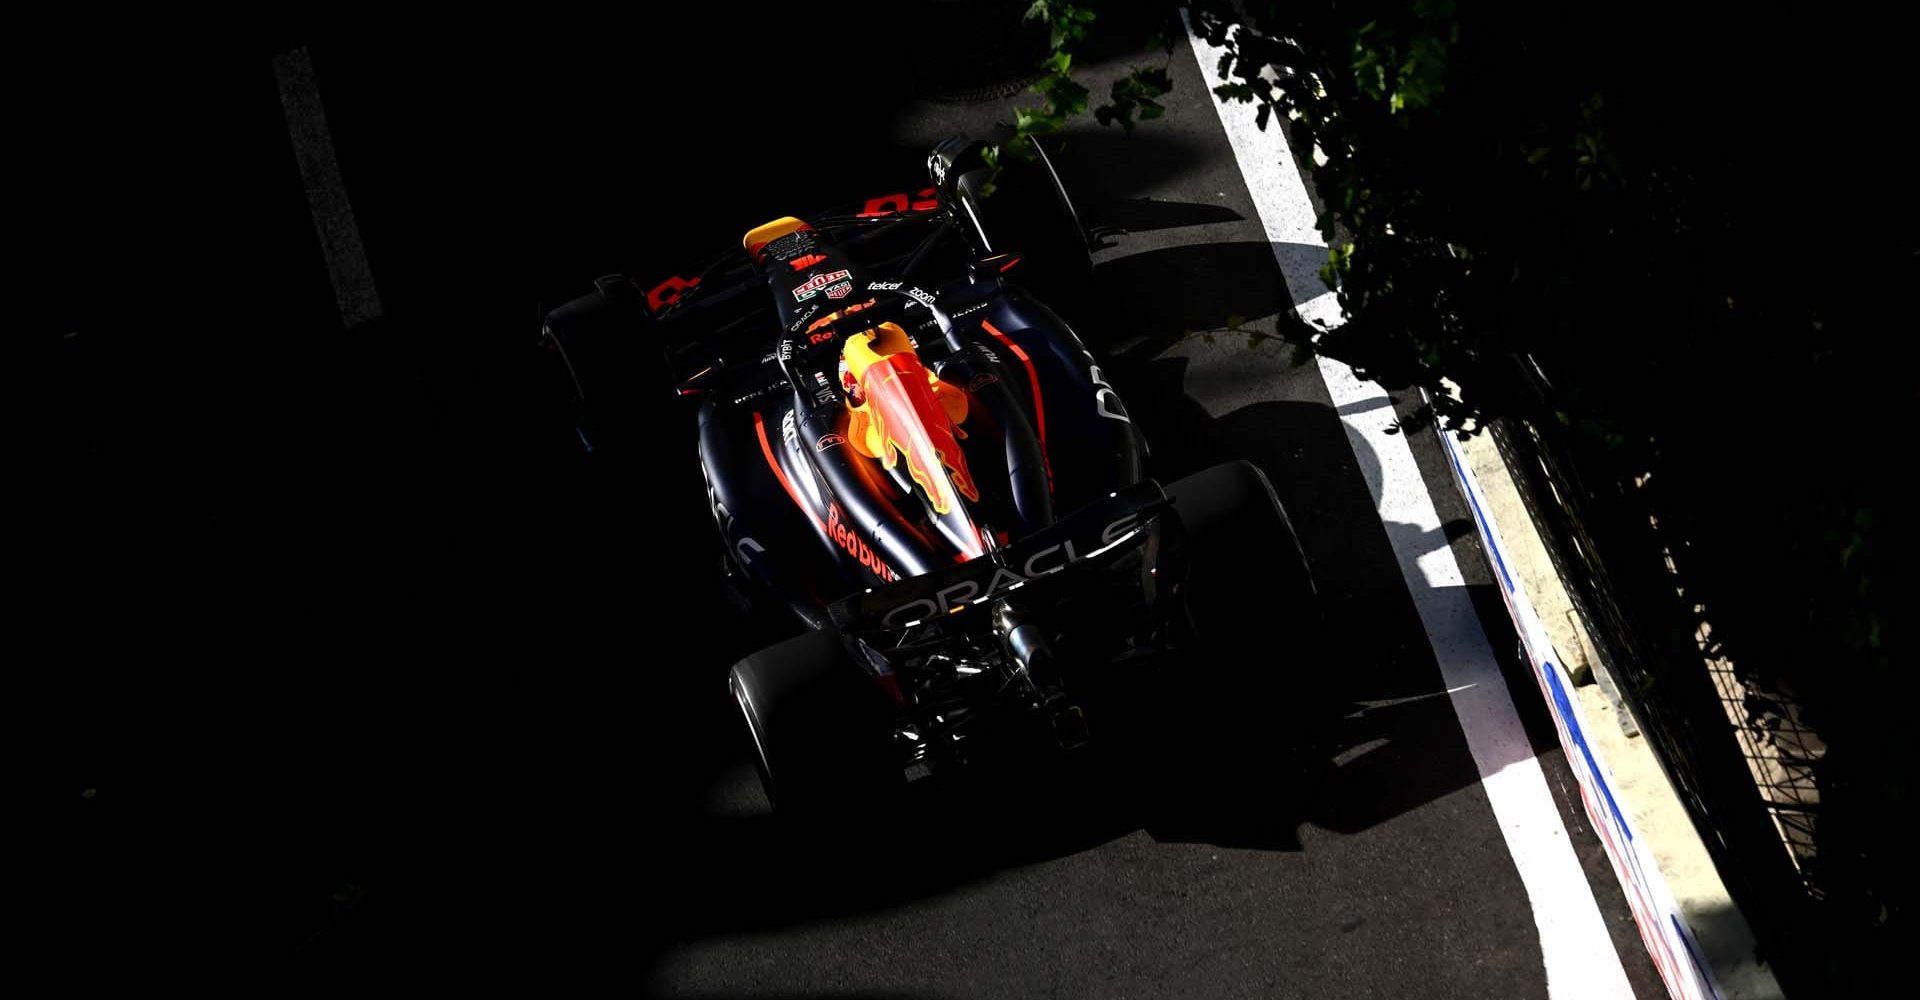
(821, 728)
(1247, 631)
(1247, 586)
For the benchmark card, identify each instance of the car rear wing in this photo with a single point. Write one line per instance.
(1114, 523)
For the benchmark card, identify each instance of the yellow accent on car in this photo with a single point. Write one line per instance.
(892, 420)
(766, 233)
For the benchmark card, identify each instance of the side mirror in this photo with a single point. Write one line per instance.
(953, 159)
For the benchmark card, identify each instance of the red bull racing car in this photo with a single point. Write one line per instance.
(923, 465)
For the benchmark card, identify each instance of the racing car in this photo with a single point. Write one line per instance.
(926, 470)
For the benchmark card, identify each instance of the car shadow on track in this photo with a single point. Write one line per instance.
(1241, 745)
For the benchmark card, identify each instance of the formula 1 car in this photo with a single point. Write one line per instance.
(922, 464)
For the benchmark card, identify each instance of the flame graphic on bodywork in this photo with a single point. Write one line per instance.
(903, 410)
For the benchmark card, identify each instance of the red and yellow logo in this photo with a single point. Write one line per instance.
(905, 411)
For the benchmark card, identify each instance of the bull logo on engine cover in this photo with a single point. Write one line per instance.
(907, 412)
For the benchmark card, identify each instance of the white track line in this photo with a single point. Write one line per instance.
(346, 257)
(1578, 953)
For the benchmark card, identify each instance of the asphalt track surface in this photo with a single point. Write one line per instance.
(451, 705)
